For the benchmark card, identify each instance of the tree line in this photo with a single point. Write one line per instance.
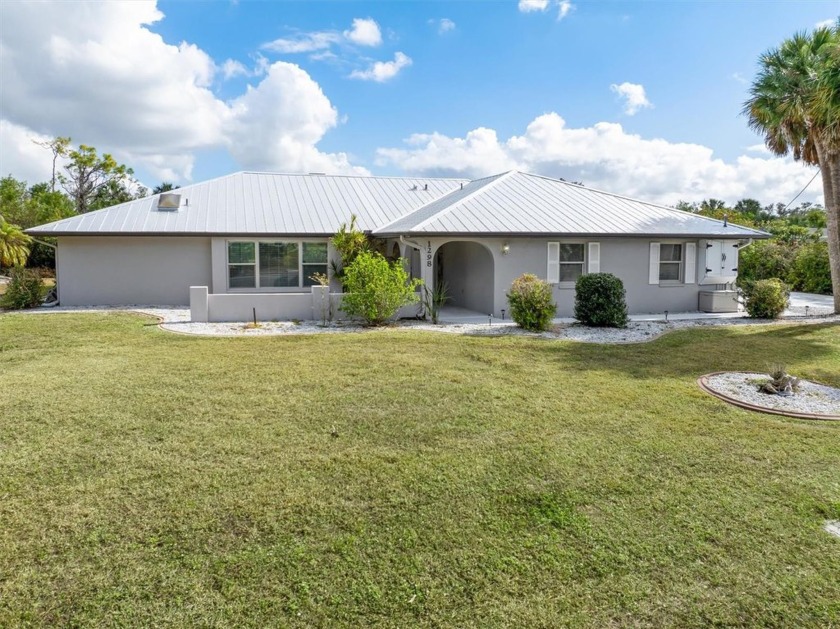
(81, 181)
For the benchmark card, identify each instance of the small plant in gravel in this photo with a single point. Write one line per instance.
(599, 301)
(766, 299)
(780, 383)
(433, 300)
(532, 305)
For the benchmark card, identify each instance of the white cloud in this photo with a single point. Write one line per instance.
(605, 156)
(232, 69)
(564, 8)
(633, 96)
(20, 156)
(529, 6)
(303, 42)
(826, 23)
(758, 148)
(381, 71)
(443, 25)
(95, 72)
(736, 76)
(364, 32)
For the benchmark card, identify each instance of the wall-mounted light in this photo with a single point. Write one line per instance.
(505, 249)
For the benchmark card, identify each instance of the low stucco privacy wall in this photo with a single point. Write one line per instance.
(317, 305)
(118, 271)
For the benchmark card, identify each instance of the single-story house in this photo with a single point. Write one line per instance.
(254, 240)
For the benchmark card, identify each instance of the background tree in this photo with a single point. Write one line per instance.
(795, 103)
(14, 245)
(164, 186)
(88, 174)
(58, 147)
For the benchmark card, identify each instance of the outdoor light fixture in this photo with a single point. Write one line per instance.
(505, 249)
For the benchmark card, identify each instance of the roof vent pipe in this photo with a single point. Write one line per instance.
(169, 202)
(425, 186)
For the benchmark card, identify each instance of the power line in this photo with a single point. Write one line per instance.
(801, 191)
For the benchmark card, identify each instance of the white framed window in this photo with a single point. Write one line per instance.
(267, 264)
(673, 263)
(670, 262)
(566, 262)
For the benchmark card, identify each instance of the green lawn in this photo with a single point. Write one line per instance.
(407, 479)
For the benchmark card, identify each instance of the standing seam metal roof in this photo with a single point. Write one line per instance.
(511, 203)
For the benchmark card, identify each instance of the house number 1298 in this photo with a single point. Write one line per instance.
(429, 253)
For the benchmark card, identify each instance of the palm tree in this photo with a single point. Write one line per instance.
(14, 245)
(795, 103)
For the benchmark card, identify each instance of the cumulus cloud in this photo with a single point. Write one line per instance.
(303, 42)
(529, 6)
(633, 96)
(381, 71)
(364, 32)
(604, 156)
(443, 25)
(564, 7)
(94, 71)
(826, 23)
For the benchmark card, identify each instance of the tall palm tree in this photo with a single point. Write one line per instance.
(795, 103)
(14, 245)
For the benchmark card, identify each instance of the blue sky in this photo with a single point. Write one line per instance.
(481, 86)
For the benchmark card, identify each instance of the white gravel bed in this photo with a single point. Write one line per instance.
(178, 320)
(810, 398)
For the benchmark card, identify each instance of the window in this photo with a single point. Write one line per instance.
(242, 265)
(268, 264)
(571, 261)
(314, 261)
(670, 262)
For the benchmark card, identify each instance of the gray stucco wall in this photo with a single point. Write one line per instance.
(126, 270)
(627, 258)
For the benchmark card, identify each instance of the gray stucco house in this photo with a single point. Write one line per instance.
(252, 240)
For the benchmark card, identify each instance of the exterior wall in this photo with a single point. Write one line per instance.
(627, 258)
(129, 270)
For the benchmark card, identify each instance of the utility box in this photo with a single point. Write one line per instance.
(718, 301)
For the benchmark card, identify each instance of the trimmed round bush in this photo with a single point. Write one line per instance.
(532, 305)
(25, 290)
(766, 299)
(599, 301)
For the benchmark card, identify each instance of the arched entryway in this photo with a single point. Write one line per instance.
(467, 269)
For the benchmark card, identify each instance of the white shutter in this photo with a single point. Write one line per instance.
(730, 265)
(690, 262)
(653, 274)
(552, 275)
(594, 257)
(713, 259)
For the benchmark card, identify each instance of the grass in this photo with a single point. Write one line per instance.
(407, 479)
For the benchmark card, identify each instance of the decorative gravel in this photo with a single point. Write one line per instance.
(810, 398)
(178, 320)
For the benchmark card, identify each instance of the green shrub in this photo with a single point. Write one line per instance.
(811, 270)
(764, 260)
(376, 289)
(532, 305)
(766, 299)
(599, 301)
(25, 290)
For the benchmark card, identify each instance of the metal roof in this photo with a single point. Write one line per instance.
(264, 203)
(523, 204)
(509, 204)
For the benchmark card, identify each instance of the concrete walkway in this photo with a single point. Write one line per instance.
(801, 305)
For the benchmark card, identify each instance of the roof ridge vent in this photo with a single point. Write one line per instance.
(169, 202)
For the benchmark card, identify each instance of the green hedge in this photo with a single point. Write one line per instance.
(600, 301)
